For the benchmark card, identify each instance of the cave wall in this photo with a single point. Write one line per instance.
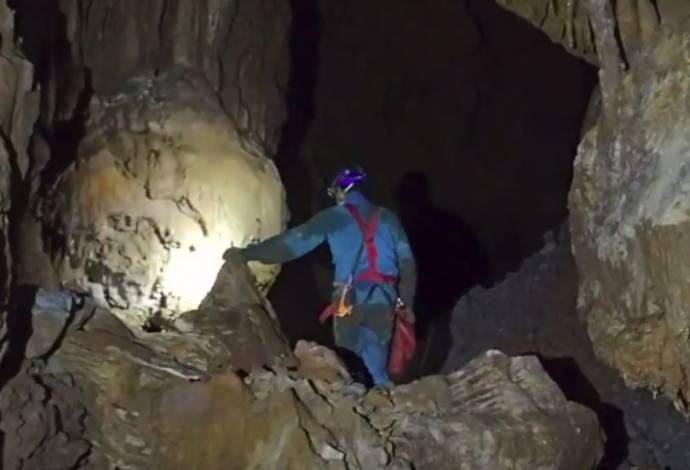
(630, 217)
(19, 107)
(86, 49)
(239, 46)
(161, 187)
(629, 196)
(462, 92)
(569, 22)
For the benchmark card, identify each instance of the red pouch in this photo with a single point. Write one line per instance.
(403, 345)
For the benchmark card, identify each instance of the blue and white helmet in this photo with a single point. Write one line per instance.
(347, 179)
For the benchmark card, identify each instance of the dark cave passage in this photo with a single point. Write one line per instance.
(139, 143)
(466, 120)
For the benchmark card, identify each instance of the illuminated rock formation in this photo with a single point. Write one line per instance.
(161, 187)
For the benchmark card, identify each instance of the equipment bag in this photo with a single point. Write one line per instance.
(403, 344)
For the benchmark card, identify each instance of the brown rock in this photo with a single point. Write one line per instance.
(161, 188)
(497, 412)
(233, 325)
(241, 48)
(317, 362)
(18, 112)
(570, 22)
(50, 316)
(42, 424)
(565, 21)
(142, 409)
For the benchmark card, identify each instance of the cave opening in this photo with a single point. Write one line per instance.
(466, 119)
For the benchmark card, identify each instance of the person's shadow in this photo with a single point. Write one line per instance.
(450, 260)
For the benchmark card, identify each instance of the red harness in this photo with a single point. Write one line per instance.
(372, 274)
(368, 232)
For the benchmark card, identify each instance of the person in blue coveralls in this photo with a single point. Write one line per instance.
(374, 268)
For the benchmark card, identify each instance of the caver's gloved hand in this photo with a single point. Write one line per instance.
(234, 255)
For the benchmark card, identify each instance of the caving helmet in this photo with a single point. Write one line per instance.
(345, 180)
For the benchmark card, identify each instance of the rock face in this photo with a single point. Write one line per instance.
(569, 22)
(18, 111)
(90, 393)
(241, 48)
(534, 311)
(132, 403)
(162, 186)
(631, 218)
(90, 48)
(629, 209)
(251, 335)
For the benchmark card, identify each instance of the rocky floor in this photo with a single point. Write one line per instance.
(534, 310)
(228, 394)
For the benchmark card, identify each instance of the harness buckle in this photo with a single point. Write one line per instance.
(344, 308)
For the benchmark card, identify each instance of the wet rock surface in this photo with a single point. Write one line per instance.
(533, 311)
(105, 399)
(161, 187)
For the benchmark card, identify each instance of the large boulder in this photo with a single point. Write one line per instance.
(91, 394)
(534, 311)
(631, 219)
(161, 187)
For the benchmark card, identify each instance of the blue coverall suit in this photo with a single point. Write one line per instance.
(367, 331)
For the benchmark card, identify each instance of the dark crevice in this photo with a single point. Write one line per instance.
(623, 54)
(297, 172)
(19, 331)
(655, 5)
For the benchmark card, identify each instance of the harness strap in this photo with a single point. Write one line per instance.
(368, 233)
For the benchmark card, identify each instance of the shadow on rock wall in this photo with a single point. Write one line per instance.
(450, 260)
(303, 288)
(470, 95)
(466, 94)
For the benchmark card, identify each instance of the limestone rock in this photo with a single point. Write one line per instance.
(565, 22)
(18, 111)
(108, 399)
(162, 186)
(497, 412)
(50, 316)
(147, 411)
(240, 47)
(233, 325)
(319, 362)
(42, 423)
(569, 22)
(18, 102)
(534, 310)
(630, 220)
